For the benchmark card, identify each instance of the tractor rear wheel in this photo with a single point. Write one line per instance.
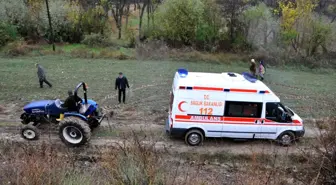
(30, 132)
(74, 131)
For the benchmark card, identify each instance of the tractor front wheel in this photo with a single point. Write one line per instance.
(29, 132)
(74, 131)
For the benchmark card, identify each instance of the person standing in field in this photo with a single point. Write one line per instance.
(253, 68)
(262, 70)
(42, 76)
(121, 83)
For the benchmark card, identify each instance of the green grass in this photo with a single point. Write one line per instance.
(67, 48)
(2, 124)
(309, 94)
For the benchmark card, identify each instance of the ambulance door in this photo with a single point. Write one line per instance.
(242, 115)
(269, 124)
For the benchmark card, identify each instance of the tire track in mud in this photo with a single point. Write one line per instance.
(165, 143)
(175, 146)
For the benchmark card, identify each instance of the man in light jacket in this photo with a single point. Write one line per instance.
(42, 76)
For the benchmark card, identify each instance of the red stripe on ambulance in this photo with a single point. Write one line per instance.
(244, 90)
(231, 120)
(208, 88)
(221, 89)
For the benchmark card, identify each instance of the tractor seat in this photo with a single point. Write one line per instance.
(83, 108)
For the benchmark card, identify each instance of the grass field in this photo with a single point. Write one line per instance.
(310, 94)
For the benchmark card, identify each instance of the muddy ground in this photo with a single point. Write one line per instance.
(148, 126)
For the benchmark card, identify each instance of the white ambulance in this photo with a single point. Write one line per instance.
(228, 105)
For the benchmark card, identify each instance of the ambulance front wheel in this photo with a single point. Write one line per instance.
(194, 137)
(286, 139)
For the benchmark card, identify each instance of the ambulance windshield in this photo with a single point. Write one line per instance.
(286, 109)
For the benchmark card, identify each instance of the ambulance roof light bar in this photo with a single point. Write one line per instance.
(249, 77)
(182, 72)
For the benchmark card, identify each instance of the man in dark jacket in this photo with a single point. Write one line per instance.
(71, 102)
(121, 84)
(42, 76)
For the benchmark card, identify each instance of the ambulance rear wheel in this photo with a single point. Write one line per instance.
(194, 137)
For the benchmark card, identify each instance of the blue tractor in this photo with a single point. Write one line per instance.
(74, 127)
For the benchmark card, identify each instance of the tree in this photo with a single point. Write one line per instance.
(127, 13)
(142, 11)
(302, 28)
(117, 9)
(50, 25)
(320, 33)
(207, 34)
(232, 10)
(332, 12)
(178, 20)
(259, 24)
(295, 21)
(118, 12)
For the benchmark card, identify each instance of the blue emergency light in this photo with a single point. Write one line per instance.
(249, 77)
(182, 72)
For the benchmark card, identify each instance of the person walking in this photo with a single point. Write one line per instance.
(121, 83)
(253, 68)
(42, 76)
(262, 70)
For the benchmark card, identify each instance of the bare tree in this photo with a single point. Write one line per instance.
(117, 8)
(127, 13)
(142, 11)
(232, 10)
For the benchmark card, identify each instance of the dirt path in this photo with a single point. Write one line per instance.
(154, 135)
(149, 127)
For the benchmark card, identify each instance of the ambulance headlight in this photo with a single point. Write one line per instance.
(182, 72)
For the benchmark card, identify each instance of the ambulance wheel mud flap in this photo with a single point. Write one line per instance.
(194, 137)
(286, 138)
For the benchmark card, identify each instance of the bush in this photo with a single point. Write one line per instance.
(130, 37)
(187, 22)
(322, 161)
(116, 54)
(95, 39)
(18, 48)
(8, 33)
(69, 19)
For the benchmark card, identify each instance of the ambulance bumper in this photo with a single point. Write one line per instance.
(174, 132)
(300, 133)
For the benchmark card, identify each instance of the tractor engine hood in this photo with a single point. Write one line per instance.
(37, 106)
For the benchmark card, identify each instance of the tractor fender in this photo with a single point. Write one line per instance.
(68, 114)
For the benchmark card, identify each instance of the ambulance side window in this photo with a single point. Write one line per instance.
(243, 109)
(271, 109)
